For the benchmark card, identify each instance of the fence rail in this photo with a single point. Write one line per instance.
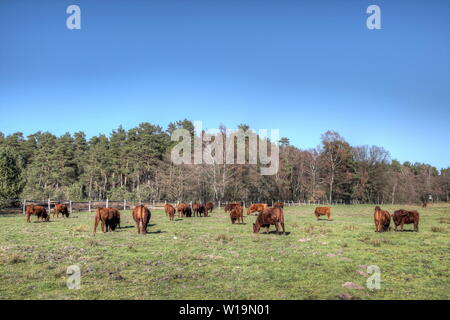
(158, 204)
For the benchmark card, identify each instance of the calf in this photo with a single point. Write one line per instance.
(402, 217)
(109, 219)
(237, 214)
(170, 211)
(256, 207)
(323, 211)
(268, 217)
(39, 211)
(382, 219)
(141, 216)
(60, 208)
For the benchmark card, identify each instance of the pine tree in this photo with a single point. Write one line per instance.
(10, 177)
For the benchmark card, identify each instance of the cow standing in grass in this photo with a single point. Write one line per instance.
(209, 207)
(39, 211)
(323, 211)
(382, 219)
(270, 216)
(141, 216)
(181, 209)
(256, 207)
(278, 204)
(199, 209)
(109, 219)
(116, 213)
(230, 206)
(402, 217)
(170, 211)
(60, 208)
(237, 214)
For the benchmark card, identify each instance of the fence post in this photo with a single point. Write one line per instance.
(107, 203)
(124, 205)
(153, 203)
(24, 206)
(89, 205)
(49, 206)
(219, 204)
(140, 202)
(70, 206)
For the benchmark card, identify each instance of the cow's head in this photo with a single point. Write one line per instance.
(256, 228)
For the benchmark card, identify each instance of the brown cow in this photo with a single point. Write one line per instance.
(268, 217)
(188, 211)
(181, 209)
(209, 207)
(170, 211)
(108, 217)
(141, 216)
(199, 209)
(237, 214)
(278, 205)
(60, 208)
(257, 207)
(39, 211)
(231, 206)
(402, 217)
(117, 215)
(382, 220)
(323, 211)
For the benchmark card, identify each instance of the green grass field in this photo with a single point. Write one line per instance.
(208, 258)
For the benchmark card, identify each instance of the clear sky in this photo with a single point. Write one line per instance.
(301, 66)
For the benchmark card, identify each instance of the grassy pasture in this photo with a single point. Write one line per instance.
(208, 258)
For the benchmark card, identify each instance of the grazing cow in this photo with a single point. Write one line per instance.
(181, 209)
(237, 214)
(402, 217)
(195, 208)
(209, 207)
(278, 205)
(117, 215)
(188, 211)
(108, 217)
(257, 207)
(323, 211)
(231, 206)
(170, 211)
(199, 209)
(268, 217)
(382, 220)
(141, 216)
(39, 211)
(60, 208)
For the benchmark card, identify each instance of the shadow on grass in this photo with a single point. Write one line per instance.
(275, 232)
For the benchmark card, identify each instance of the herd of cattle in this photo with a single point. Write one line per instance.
(266, 216)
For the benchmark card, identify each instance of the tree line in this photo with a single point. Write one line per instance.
(135, 165)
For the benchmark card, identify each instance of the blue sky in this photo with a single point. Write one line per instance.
(304, 67)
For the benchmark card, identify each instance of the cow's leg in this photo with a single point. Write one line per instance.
(401, 225)
(137, 226)
(282, 225)
(277, 227)
(267, 229)
(95, 225)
